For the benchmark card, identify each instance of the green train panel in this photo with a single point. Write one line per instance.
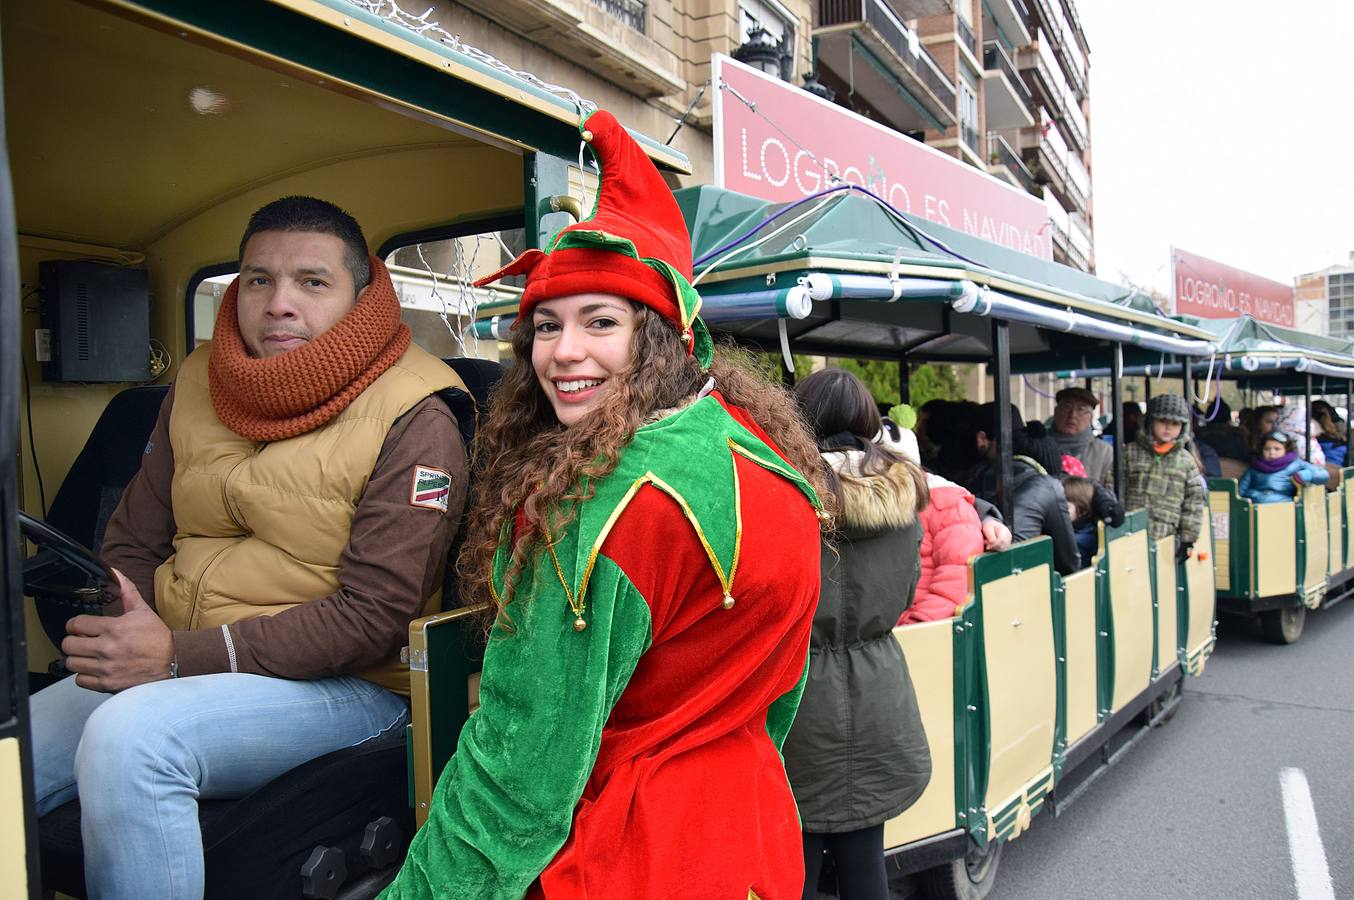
(1271, 555)
(1038, 668)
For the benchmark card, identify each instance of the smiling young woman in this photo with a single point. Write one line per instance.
(646, 524)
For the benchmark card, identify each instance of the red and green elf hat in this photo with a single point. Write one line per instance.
(634, 245)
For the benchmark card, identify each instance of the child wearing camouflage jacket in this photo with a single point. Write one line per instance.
(1160, 474)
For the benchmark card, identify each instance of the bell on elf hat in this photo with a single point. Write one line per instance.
(635, 244)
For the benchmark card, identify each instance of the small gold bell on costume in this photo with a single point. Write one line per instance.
(728, 601)
(587, 137)
(824, 516)
(579, 624)
(686, 336)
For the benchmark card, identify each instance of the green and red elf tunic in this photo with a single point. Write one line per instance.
(640, 755)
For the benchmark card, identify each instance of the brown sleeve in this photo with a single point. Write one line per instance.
(140, 533)
(395, 559)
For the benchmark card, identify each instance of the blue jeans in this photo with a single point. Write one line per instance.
(139, 761)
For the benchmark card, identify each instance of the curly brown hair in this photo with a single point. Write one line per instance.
(527, 460)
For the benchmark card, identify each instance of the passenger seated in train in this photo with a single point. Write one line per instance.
(1162, 476)
(1073, 418)
(995, 535)
(1294, 422)
(1131, 412)
(1257, 423)
(1277, 473)
(292, 515)
(1205, 454)
(1333, 434)
(1038, 504)
(1080, 493)
(954, 530)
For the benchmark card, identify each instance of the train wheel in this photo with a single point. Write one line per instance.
(970, 878)
(1283, 626)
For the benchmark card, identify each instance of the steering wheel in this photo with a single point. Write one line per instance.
(64, 571)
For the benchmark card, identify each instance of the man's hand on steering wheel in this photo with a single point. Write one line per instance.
(113, 653)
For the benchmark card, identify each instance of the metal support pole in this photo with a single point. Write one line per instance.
(1349, 432)
(1117, 398)
(1001, 393)
(1307, 411)
(904, 380)
(1147, 386)
(1187, 383)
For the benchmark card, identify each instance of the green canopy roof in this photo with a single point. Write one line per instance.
(758, 248)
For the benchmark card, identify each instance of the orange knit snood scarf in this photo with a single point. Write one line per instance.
(282, 396)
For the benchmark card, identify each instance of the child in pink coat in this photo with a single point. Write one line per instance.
(952, 534)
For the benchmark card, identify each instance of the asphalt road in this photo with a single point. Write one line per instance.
(1196, 808)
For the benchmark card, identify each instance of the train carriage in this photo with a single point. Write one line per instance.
(1274, 561)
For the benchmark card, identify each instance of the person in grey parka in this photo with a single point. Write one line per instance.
(857, 754)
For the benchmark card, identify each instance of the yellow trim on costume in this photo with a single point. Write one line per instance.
(606, 529)
(790, 474)
(725, 582)
(574, 604)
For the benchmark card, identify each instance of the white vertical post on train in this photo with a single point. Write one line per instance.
(1117, 402)
(1001, 394)
(1306, 413)
(1187, 384)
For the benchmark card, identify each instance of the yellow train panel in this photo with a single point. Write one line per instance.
(1168, 627)
(1348, 491)
(1131, 605)
(1200, 598)
(1220, 511)
(1022, 698)
(1276, 541)
(13, 846)
(1079, 617)
(1335, 553)
(929, 649)
(1318, 547)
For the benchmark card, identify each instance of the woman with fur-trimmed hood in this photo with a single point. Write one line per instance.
(857, 754)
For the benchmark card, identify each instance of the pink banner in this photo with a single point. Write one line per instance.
(1211, 290)
(780, 143)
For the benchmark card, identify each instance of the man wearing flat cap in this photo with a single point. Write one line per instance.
(1072, 417)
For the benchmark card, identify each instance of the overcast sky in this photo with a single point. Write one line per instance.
(1222, 127)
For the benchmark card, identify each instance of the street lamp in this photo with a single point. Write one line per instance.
(817, 88)
(762, 51)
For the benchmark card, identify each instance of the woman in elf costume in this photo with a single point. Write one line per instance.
(647, 524)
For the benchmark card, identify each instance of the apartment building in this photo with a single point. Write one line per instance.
(1000, 84)
(1325, 301)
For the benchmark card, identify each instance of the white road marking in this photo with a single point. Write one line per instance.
(1310, 871)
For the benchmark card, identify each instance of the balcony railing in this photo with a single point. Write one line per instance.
(1000, 153)
(965, 31)
(995, 58)
(935, 79)
(631, 12)
(890, 28)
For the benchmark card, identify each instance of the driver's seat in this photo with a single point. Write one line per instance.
(333, 827)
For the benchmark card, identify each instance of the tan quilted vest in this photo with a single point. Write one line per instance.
(261, 526)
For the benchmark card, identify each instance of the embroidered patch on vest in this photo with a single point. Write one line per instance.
(431, 488)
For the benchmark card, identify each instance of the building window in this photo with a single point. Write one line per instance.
(632, 12)
(772, 17)
(968, 116)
